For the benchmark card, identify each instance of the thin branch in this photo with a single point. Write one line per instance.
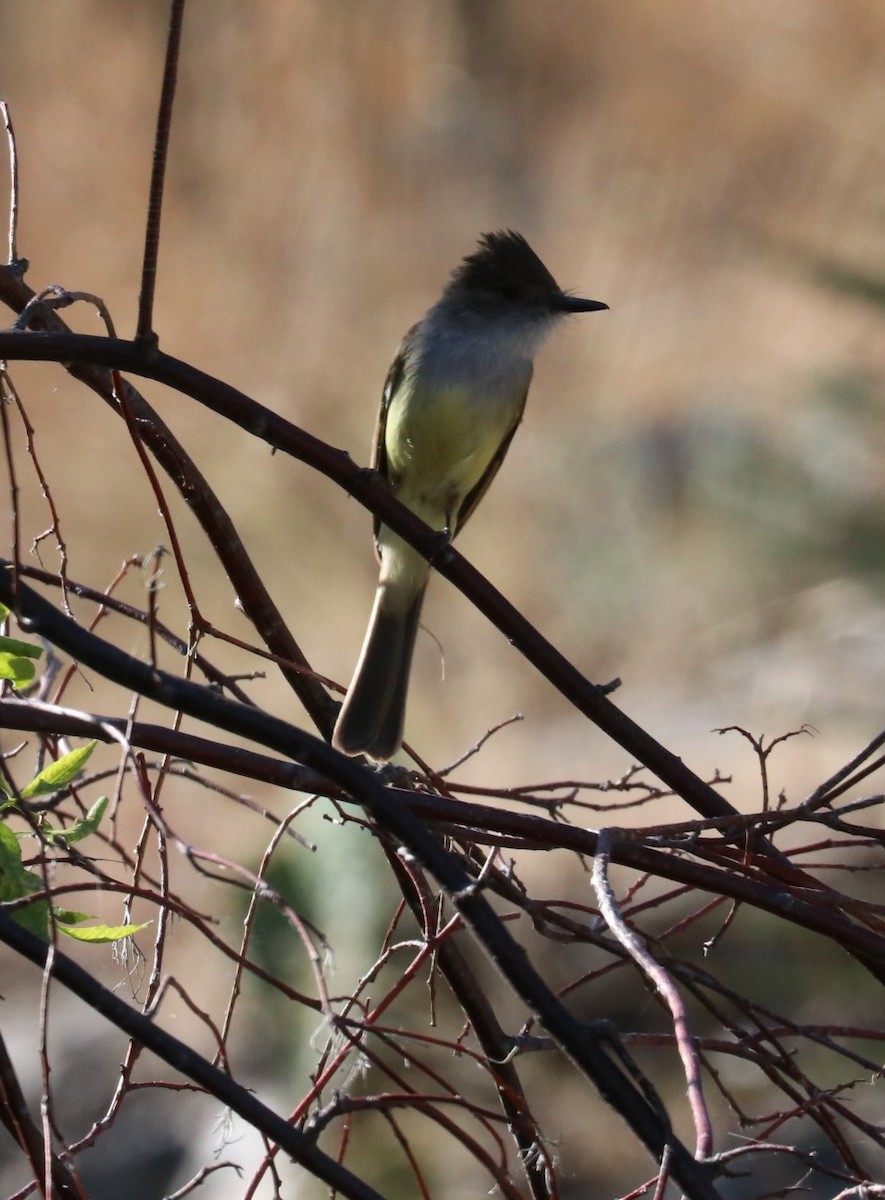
(836, 784)
(183, 1059)
(145, 331)
(483, 823)
(14, 262)
(579, 1042)
(587, 697)
(15, 1116)
(647, 963)
(254, 597)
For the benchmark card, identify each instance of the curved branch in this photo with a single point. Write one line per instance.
(205, 505)
(485, 823)
(337, 465)
(581, 1043)
(180, 1056)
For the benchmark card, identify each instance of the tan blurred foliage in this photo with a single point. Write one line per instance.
(693, 501)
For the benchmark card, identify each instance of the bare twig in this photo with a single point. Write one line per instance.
(587, 697)
(15, 1116)
(183, 1059)
(145, 330)
(634, 946)
(579, 1043)
(13, 188)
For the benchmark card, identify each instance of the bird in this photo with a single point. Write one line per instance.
(453, 398)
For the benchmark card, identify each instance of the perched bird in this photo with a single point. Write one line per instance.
(453, 398)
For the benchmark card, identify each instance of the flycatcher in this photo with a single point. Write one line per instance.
(453, 398)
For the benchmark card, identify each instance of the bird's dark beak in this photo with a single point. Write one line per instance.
(574, 304)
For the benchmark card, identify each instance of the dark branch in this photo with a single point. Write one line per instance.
(180, 1056)
(578, 1041)
(145, 330)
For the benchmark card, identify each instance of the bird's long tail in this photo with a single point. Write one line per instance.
(372, 717)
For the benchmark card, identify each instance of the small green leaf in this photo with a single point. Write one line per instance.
(98, 934)
(58, 774)
(67, 916)
(82, 828)
(19, 671)
(16, 882)
(15, 655)
(34, 917)
(22, 649)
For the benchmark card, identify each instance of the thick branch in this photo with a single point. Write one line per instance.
(577, 1040)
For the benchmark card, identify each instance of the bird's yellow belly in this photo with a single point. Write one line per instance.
(438, 450)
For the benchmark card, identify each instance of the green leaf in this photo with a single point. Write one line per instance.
(82, 828)
(16, 882)
(58, 774)
(18, 670)
(15, 655)
(35, 918)
(98, 934)
(22, 649)
(67, 916)
(14, 658)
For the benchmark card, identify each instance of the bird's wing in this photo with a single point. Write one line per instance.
(391, 384)
(479, 489)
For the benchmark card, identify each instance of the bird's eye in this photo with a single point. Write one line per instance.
(508, 291)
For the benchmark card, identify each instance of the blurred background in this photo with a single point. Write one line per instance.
(694, 502)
